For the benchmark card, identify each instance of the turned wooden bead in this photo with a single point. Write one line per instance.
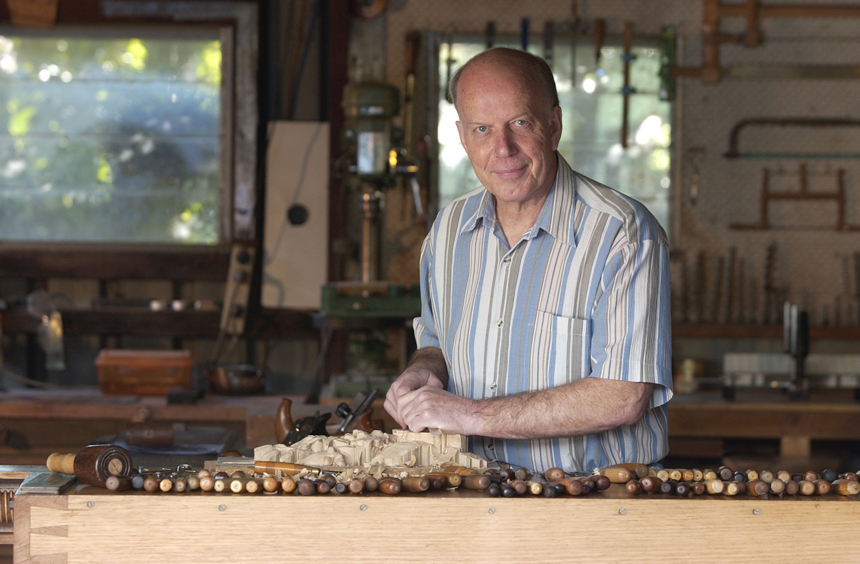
(633, 487)
(270, 484)
(392, 486)
(289, 485)
(306, 487)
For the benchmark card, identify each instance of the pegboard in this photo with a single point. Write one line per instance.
(800, 258)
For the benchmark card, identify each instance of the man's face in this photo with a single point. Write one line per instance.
(508, 131)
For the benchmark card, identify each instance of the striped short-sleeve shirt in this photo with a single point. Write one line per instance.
(584, 293)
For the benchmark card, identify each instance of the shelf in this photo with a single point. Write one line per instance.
(266, 324)
(728, 331)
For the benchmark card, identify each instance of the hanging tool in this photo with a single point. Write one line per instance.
(599, 36)
(449, 63)
(548, 32)
(795, 335)
(524, 34)
(490, 34)
(574, 38)
(626, 90)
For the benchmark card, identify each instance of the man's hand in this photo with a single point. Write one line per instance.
(434, 409)
(411, 380)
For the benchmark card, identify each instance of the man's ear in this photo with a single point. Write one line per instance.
(555, 125)
(460, 132)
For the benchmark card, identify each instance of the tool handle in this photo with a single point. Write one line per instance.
(270, 467)
(61, 463)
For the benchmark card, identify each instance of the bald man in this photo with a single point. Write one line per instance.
(545, 325)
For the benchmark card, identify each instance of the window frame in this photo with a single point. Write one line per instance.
(237, 25)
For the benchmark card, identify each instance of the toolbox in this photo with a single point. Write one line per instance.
(143, 372)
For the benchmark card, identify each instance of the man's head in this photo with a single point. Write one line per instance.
(538, 69)
(510, 123)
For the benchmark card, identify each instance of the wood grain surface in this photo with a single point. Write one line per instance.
(100, 528)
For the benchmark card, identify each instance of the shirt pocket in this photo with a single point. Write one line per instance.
(561, 349)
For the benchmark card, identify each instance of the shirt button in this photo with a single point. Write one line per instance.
(500, 322)
(492, 447)
(507, 259)
(493, 387)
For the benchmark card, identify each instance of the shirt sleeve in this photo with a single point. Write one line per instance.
(632, 319)
(424, 326)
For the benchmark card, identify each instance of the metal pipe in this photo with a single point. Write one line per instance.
(734, 136)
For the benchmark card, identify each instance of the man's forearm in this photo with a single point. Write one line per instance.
(587, 406)
(431, 359)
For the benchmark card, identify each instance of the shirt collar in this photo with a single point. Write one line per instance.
(551, 219)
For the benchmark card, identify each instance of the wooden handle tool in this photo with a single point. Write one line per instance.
(846, 487)
(270, 467)
(618, 474)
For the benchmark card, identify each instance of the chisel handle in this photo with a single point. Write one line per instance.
(61, 463)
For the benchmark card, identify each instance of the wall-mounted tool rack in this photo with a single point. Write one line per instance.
(803, 194)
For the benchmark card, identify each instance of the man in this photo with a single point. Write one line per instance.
(545, 326)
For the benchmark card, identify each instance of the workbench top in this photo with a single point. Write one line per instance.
(94, 526)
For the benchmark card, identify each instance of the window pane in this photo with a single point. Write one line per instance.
(591, 102)
(109, 139)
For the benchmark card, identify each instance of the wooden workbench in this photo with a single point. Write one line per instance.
(94, 526)
(767, 414)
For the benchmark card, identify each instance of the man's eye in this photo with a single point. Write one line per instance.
(481, 128)
(521, 122)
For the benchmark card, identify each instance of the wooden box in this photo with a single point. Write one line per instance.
(143, 372)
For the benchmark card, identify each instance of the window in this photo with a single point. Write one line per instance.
(111, 137)
(591, 101)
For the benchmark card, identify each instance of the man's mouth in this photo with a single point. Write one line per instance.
(510, 172)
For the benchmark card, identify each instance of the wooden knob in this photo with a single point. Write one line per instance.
(846, 487)
(520, 487)
(757, 487)
(571, 486)
(732, 488)
(715, 486)
(554, 474)
(475, 482)
(270, 484)
(390, 486)
(118, 483)
(650, 484)
(416, 484)
(283, 419)
(777, 487)
(617, 474)
(306, 487)
(806, 487)
(289, 485)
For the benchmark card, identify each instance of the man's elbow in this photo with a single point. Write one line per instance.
(635, 407)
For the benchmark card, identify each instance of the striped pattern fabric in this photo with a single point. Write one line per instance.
(584, 293)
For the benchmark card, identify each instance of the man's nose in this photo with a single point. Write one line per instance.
(504, 143)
